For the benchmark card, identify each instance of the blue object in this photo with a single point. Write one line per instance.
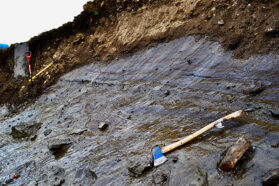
(158, 156)
(3, 46)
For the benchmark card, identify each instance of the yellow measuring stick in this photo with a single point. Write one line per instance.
(49, 65)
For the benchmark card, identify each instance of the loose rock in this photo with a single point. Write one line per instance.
(47, 132)
(59, 147)
(103, 126)
(57, 176)
(275, 114)
(229, 98)
(255, 88)
(139, 166)
(24, 130)
(221, 22)
(274, 144)
(249, 110)
(271, 178)
(167, 93)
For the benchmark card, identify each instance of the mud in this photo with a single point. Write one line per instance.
(123, 27)
(154, 97)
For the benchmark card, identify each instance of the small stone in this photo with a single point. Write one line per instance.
(271, 178)
(208, 17)
(174, 159)
(103, 126)
(47, 132)
(249, 110)
(270, 30)
(274, 144)
(24, 130)
(33, 138)
(138, 166)
(59, 147)
(221, 22)
(229, 98)
(274, 114)
(254, 88)
(58, 181)
(167, 93)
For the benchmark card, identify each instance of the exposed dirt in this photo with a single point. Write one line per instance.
(106, 29)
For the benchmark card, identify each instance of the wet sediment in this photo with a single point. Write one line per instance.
(153, 97)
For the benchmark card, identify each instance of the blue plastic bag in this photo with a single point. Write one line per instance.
(2, 46)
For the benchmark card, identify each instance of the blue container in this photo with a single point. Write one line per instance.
(2, 46)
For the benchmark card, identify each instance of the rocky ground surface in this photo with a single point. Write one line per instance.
(107, 29)
(153, 97)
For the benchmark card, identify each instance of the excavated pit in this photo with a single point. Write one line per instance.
(155, 96)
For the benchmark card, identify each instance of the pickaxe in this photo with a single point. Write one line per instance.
(158, 153)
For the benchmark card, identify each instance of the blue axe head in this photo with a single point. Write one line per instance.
(158, 156)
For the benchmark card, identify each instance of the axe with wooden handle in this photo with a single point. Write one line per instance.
(158, 153)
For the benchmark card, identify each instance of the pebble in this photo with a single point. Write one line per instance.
(254, 88)
(221, 22)
(270, 30)
(167, 93)
(275, 114)
(138, 166)
(47, 132)
(103, 126)
(271, 177)
(274, 144)
(229, 98)
(174, 159)
(249, 110)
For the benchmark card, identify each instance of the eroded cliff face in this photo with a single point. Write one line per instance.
(107, 29)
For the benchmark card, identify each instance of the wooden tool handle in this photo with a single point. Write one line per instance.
(170, 147)
(34, 77)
